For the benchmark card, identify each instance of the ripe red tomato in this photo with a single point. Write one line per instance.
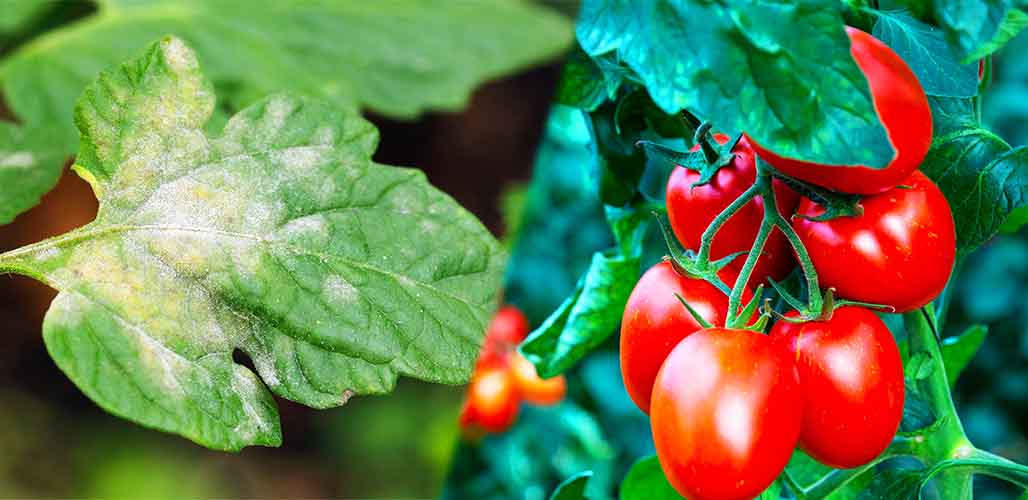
(492, 402)
(691, 209)
(851, 378)
(902, 108)
(726, 414)
(531, 387)
(898, 253)
(655, 321)
(507, 329)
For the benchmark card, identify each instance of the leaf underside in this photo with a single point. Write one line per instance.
(279, 239)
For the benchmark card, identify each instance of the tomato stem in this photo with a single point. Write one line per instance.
(702, 137)
(703, 255)
(735, 298)
(815, 302)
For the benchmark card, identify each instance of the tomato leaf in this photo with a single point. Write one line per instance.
(28, 169)
(917, 411)
(957, 351)
(894, 484)
(280, 239)
(978, 28)
(646, 481)
(584, 83)
(781, 71)
(572, 488)
(983, 178)
(925, 49)
(351, 53)
(586, 318)
(18, 13)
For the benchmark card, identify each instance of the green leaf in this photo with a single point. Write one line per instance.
(983, 178)
(958, 351)
(280, 239)
(772, 492)
(399, 58)
(583, 83)
(894, 484)
(28, 169)
(977, 28)
(572, 488)
(646, 481)
(918, 413)
(586, 318)
(17, 13)
(780, 71)
(926, 51)
(1015, 221)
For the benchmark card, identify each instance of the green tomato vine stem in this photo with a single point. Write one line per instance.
(764, 188)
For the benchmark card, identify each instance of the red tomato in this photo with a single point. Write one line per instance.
(898, 253)
(691, 209)
(492, 402)
(902, 108)
(531, 387)
(655, 321)
(851, 377)
(726, 414)
(507, 329)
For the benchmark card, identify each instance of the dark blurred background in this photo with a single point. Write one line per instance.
(56, 442)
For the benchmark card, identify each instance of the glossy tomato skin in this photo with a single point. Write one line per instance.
(899, 253)
(531, 387)
(492, 401)
(692, 209)
(726, 414)
(655, 321)
(851, 377)
(902, 108)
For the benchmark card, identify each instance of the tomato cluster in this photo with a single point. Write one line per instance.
(729, 405)
(503, 378)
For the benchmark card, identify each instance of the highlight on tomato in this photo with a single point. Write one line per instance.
(691, 209)
(726, 413)
(902, 107)
(851, 379)
(492, 402)
(898, 253)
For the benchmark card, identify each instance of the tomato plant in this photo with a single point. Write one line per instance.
(503, 378)
(851, 376)
(877, 126)
(726, 413)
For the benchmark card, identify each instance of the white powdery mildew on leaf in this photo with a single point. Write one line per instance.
(280, 238)
(339, 293)
(17, 159)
